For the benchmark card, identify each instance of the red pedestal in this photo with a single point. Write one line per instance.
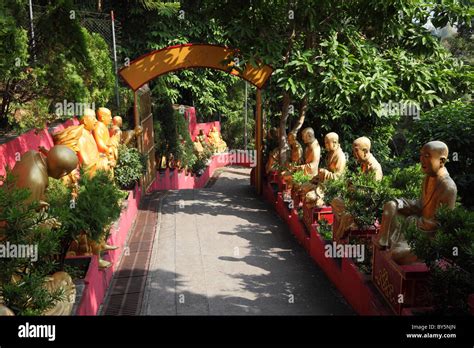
(401, 286)
(312, 215)
(282, 209)
(298, 229)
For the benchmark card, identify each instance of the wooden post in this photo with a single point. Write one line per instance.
(137, 119)
(259, 143)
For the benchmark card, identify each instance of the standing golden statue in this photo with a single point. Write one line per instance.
(438, 189)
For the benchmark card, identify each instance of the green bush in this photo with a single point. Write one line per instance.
(22, 279)
(452, 123)
(131, 165)
(299, 177)
(98, 204)
(450, 257)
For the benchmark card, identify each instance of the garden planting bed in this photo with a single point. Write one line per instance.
(356, 287)
(93, 287)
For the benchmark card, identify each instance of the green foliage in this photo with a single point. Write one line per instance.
(61, 207)
(325, 229)
(22, 280)
(453, 124)
(172, 136)
(131, 165)
(450, 257)
(98, 204)
(406, 182)
(299, 177)
(68, 63)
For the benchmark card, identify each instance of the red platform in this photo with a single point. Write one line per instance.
(401, 286)
(312, 215)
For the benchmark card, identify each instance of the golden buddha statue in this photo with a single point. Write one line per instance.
(80, 139)
(312, 152)
(361, 150)
(216, 141)
(296, 149)
(335, 164)
(102, 136)
(438, 189)
(61, 281)
(198, 148)
(34, 169)
(343, 221)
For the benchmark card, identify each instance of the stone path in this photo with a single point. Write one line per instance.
(223, 251)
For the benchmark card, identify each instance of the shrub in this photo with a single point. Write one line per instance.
(299, 177)
(450, 257)
(98, 204)
(131, 165)
(22, 279)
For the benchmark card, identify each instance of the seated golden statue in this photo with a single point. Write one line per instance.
(80, 139)
(216, 141)
(335, 164)
(361, 150)
(312, 156)
(343, 221)
(312, 153)
(34, 169)
(296, 149)
(102, 136)
(198, 148)
(438, 190)
(273, 160)
(61, 281)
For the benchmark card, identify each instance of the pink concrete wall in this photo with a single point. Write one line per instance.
(28, 141)
(194, 126)
(174, 180)
(98, 281)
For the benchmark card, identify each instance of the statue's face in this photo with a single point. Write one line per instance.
(307, 138)
(330, 144)
(359, 154)
(89, 122)
(117, 121)
(431, 161)
(105, 116)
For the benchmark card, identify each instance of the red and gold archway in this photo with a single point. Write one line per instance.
(188, 56)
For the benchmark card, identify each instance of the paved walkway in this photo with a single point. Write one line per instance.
(223, 251)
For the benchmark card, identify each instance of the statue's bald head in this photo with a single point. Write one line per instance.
(437, 147)
(308, 135)
(61, 160)
(362, 143)
(117, 121)
(104, 115)
(89, 112)
(361, 149)
(331, 141)
(89, 121)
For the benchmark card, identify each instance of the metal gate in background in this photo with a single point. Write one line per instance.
(146, 142)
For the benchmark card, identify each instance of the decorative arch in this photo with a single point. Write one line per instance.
(187, 56)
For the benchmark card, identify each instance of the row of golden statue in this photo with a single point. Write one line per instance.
(213, 139)
(92, 145)
(438, 188)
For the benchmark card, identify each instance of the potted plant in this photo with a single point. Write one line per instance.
(131, 166)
